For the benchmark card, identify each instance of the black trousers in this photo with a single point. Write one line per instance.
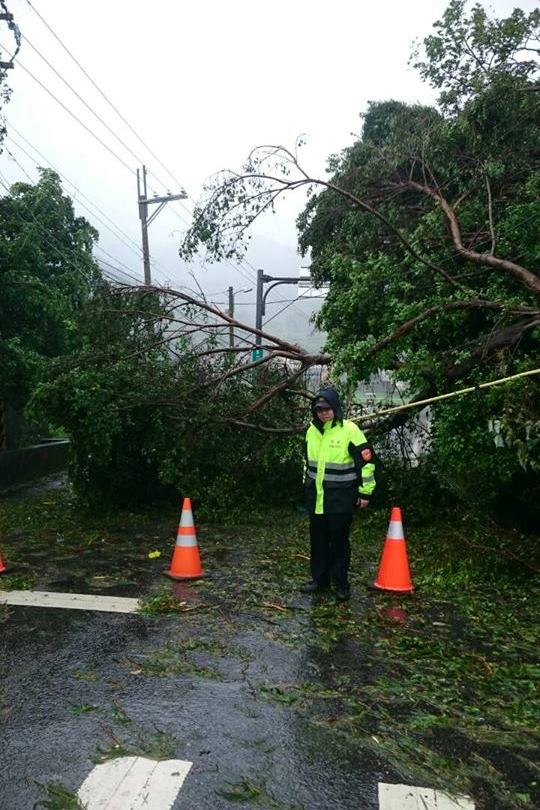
(330, 549)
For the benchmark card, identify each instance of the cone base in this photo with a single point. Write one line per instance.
(407, 589)
(183, 577)
(185, 563)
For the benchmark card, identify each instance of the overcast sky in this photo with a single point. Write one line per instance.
(202, 83)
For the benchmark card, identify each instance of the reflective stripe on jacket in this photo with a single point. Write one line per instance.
(339, 467)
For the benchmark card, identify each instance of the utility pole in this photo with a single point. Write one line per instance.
(144, 202)
(262, 279)
(230, 313)
(14, 28)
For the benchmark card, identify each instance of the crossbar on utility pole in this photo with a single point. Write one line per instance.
(144, 202)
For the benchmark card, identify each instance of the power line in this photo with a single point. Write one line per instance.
(136, 249)
(109, 102)
(71, 183)
(47, 241)
(117, 270)
(294, 300)
(81, 99)
(12, 156)
(96, 246)
(74, 116)
(91, 109)
(281, 301)
(66, 258)
(78, 192)
(114, 258)
(71, 55)
(70, 261)
(238, 269)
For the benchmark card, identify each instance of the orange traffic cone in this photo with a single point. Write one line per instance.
(394, 574)
(186, 563)
(3, 567)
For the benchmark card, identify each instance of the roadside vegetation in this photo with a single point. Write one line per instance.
(425, 232)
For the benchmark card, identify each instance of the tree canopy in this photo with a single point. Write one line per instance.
(426, 230)
(465, 54)
(47, 272)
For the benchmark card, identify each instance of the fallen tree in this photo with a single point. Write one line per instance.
(425, 231)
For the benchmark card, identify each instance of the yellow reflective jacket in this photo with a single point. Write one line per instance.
(339, 467)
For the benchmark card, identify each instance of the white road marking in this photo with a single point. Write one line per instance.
(134, 783)
(73, 601)
(407, 797)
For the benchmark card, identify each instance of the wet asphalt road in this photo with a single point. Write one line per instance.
(72, 682)
(278, 699)
(77, 686)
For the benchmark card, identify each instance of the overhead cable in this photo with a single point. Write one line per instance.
(109, 102)
(75, 117)
(81, 99)
(76, 193)
(242, 272)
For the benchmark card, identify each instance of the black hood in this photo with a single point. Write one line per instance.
(332, 397)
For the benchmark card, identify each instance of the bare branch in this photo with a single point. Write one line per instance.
(274, 391)
(285, 345)
(201, 291)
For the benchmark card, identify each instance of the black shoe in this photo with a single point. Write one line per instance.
(343, 594)
(312, 587)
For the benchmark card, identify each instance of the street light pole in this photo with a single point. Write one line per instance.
(259, 304)
(230, 313)
(263, 279)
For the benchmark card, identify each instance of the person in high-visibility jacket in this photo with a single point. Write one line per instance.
(339, 477)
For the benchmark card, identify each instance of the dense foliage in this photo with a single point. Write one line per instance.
(146, 412)
(466, 53)
(47, 273)
(462, 188)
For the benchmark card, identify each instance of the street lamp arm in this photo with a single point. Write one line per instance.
(276, 284)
